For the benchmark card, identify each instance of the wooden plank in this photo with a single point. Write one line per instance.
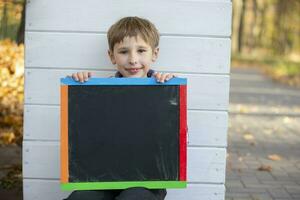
(89, 51)
(208, 92)
(205, 165)
(36, 189)
(171, 16)
(36, 118)
(206, 128)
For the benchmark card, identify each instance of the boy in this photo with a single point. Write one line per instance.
(133, 47)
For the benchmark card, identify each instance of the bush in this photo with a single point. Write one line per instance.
(11, 92)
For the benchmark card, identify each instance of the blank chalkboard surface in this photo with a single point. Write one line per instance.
(123, 132)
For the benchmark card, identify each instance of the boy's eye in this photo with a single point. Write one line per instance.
(123, 52)
(141, 50)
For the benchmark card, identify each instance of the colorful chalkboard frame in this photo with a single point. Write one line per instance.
(67, 184)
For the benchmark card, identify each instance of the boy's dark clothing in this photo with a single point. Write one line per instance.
(136, 193)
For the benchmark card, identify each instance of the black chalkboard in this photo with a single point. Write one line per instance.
(123, 133)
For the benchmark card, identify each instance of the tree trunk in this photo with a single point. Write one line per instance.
(21, 31)
(3, 33)
(252, 26)
(262, 24)
(236, 11)
(241, 27)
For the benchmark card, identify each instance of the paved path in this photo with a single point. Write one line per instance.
(264, 121)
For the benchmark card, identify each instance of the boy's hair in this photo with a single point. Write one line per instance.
(133, 27)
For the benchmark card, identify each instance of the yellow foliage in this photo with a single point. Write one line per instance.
(11, 90)
(7, 137)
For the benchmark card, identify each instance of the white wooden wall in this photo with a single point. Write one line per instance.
(67, 36)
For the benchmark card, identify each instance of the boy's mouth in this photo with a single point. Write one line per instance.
(133, 70)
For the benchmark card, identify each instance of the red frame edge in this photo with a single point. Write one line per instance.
(183, 133)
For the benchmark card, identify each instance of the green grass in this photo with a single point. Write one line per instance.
(278, 66)
(287, 68)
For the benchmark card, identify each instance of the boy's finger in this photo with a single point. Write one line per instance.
(157, 76)
(75, 77)
(163, 77)
(80, 76)
(169, 76)
(85, 76)
(90, 74)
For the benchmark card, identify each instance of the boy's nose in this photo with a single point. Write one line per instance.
(133, 59)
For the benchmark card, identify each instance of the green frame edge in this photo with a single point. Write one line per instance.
(122, 185)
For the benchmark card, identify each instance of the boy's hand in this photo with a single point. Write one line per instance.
(82, 76)
(161, 77)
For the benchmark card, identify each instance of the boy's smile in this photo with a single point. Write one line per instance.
(133, 57)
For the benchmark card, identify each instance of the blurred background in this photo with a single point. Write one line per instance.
(265, 49)
(12, 21)
(266, 33)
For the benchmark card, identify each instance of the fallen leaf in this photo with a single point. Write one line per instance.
(243, 109)
(7, 137)
(266, 168)
(252, 143)
(274, 157)
(286, 120)
(248, 136)
(268, 131)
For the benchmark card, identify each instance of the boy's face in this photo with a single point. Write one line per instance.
(133, 57)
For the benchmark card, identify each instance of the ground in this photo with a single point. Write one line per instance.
(263, 139)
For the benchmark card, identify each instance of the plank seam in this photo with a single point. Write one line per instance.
(104, 33)
(113, 71)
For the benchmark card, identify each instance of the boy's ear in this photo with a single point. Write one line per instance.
(112, 57)
(155, 54)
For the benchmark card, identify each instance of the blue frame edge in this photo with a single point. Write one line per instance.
(123, 81)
